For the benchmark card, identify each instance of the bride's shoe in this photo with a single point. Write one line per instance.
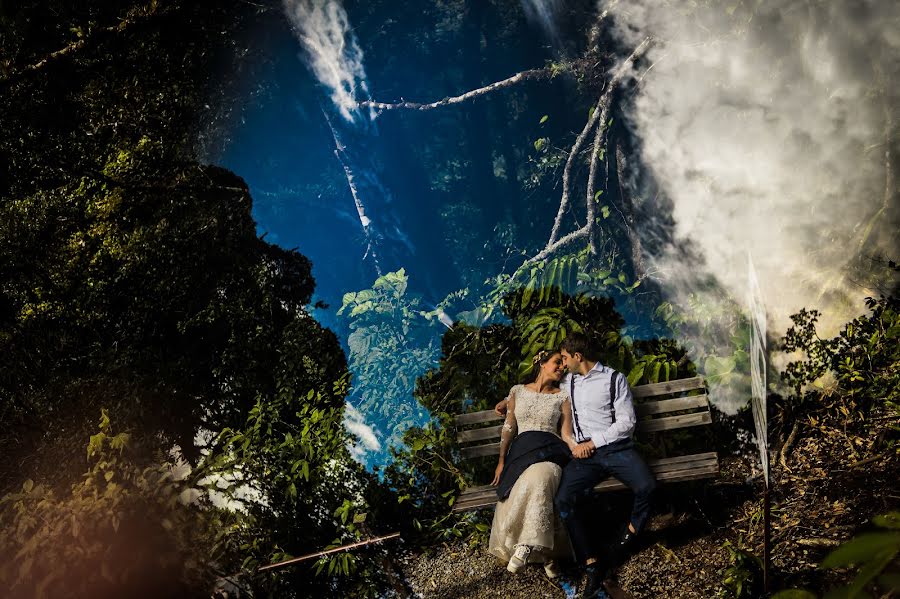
(519, 558)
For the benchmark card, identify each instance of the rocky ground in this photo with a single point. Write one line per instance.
(827, 487)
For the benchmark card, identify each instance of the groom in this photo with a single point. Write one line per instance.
(604, 420)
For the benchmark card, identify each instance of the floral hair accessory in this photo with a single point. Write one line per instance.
(539, 356)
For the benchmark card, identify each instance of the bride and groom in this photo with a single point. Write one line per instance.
(544, 479)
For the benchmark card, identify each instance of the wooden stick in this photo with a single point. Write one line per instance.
(767, 539)
(330, 551)
(786, 448)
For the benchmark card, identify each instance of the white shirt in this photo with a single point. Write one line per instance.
(590, 403)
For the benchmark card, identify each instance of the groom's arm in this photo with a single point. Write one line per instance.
(626, 420)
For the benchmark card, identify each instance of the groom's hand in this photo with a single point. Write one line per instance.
(500, 408)
(584, 450)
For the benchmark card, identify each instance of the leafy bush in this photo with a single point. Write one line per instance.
(864, 359)
(743, 576)
(122, 531)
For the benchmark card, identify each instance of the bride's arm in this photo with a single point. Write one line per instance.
(568, 431)
(507, 434)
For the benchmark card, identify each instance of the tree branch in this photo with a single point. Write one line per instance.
(601, 115)
(592, 179)
(576, 148)
(567, 239)
(135, 15)
(529, 75)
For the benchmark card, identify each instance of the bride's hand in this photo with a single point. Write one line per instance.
(497, 472)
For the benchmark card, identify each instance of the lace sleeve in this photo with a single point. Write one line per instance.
(510, 428)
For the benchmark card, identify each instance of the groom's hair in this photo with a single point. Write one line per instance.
(579, 343)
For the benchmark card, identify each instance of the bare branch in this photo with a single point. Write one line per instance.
(328, 552)
(529, 75)
(890, 189)
(566, 240)
(592, 179)
(601, 114)
(576, 148)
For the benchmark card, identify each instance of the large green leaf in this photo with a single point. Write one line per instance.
(862, 548)
(872, 569)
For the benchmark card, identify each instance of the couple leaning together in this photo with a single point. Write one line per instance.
(562, 436)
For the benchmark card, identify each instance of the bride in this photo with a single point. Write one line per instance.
(526, 527)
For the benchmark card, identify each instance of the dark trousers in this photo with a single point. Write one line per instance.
(619, 460)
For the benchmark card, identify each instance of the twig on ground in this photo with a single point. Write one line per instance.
(818, 542)
(786, 448)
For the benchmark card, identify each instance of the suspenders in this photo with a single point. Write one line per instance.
(574, 413)
(612, 401)
(612, 395)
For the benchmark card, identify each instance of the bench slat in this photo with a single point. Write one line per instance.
(668, 470)
(480, 450)
(657, 465)
(662, 469)
(676, 386)
(667, 477)
(673, 422)
(698, 470)
(477, 417)
(645, 409)
(641, 391)
(645, 426)
(662, 406)
(479, 434)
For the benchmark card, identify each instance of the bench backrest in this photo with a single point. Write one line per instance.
(659, 407)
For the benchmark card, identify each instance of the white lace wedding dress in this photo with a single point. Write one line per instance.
(528, 515)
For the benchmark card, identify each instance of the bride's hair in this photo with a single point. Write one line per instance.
(537, 361)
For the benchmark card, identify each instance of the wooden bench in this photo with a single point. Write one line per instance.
(660, 407)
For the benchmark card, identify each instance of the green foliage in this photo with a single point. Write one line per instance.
(289, 472)
(544, 284)
(392, 342)
(124, 529)
(716, 335)
(742, 577)
(130, 268)
(864, 359)
(152, 276)
(872, 554)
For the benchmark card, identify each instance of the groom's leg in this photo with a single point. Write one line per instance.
(578, 479)
(628, 466)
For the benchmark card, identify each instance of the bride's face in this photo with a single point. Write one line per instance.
(553, 368)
